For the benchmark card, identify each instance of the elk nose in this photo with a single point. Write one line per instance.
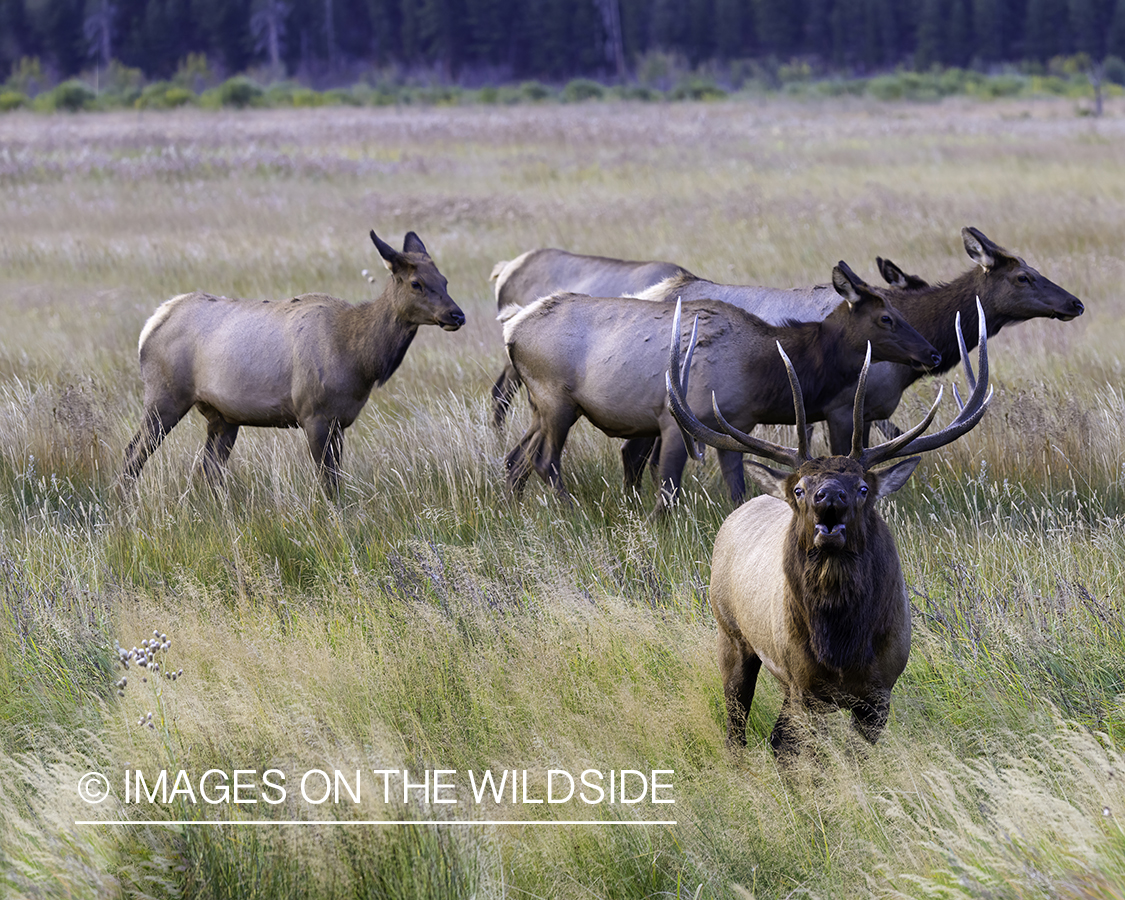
(830, 495)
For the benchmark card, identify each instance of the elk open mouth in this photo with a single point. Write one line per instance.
(830, 536)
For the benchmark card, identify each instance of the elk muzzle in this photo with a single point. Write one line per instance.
(831, 506)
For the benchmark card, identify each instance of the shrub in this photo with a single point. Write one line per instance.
(638, 92)
(70, 96)
(240, 92)
(697, 87)
(12, 100)
(580, 89)
(164, 95)
(535, 91)
(1114, 69)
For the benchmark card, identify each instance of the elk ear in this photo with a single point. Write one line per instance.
(413, 244)
(890, 480)
(849, 285)
(392, 259)
(769, 480)
(892, 274)
(981, 250)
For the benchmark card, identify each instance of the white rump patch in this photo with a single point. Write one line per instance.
(512, 316)
(502, 271)
(156, 318)
(659, 290)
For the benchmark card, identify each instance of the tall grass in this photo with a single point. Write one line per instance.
(425, 620)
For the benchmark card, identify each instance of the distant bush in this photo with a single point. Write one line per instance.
(1114, 69)
(70, 96)
(580, 89)
(641, 92)
(12, 100)
(998, 86)
(535, 91)
(239, 92)
(164, 95)
(696, 87)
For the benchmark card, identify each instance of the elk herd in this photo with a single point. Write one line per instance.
(805, 577)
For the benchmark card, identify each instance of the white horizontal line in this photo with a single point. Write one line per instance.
(440, 823)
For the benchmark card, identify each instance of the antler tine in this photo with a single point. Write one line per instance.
(857, 407)
(798, 406)
(693, 446)
(913, 442)
(693, 428)
(965, 362)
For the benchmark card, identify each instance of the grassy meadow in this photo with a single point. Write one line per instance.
(425, 621)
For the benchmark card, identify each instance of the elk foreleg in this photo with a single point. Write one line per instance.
(326, 444)
(636, 454)
(869, 715)
(739, 671)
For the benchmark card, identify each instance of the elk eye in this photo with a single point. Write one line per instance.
(886, 320)
(798, 492)
(863, 490)
(416, 284)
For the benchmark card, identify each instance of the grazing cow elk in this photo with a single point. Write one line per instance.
(1008, 288)
(601, 358)
(537, 273)
(309, 362)
(806, 579)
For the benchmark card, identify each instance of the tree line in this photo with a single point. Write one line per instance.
(481, 41)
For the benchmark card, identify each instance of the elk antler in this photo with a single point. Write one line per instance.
(733, 439)
(912, 442)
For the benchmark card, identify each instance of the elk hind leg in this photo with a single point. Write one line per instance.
(221, 436)
(507, 384)
(158, 420)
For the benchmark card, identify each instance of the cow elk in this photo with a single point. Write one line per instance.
(538, 273)
(309, 362)
(806, 578)
(602, 358)
(1009, 290)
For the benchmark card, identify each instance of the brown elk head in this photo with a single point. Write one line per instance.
(418, 290)
(1026, 294)
(871, 314)
(833, 497)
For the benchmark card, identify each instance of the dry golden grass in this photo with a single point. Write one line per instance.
(425, 620)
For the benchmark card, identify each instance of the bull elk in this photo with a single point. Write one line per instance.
(309, 362)
(806, 578)
(538, 273)
(602, 358)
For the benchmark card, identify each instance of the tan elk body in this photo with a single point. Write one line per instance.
(603, 359)
(538, 273)
(806, 579)
(308, 362)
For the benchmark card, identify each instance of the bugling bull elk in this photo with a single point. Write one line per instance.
(806, 578)
(309, 362)
(602, 358)
(538, 273)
